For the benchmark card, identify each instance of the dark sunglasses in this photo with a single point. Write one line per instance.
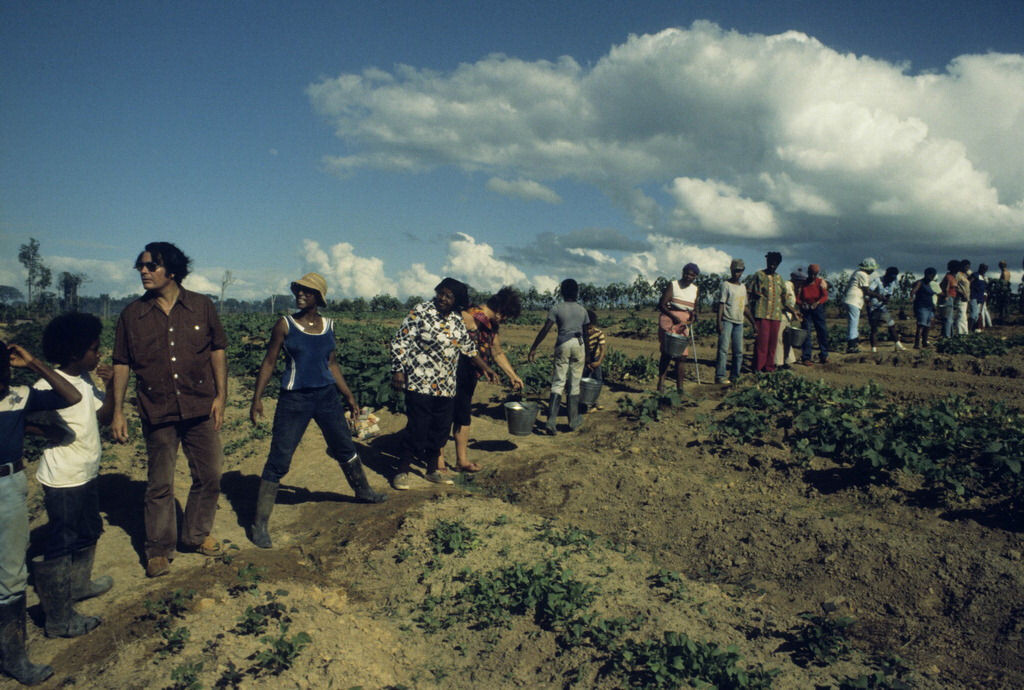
(150, 266)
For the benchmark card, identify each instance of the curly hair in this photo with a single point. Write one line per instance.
(69, 336)
(506, 302)
(174, 261)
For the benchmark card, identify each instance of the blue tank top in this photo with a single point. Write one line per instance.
(306, 356)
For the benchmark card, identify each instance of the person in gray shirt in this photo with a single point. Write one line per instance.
(570, 354)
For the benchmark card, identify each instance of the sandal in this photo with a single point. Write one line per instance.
(471, 467)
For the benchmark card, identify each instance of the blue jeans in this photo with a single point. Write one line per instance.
(74, 514)
(294, 410)
(974, 312)
(732, 333)
(948, 310)
(852, 322)
(816, 318)
(13, 535)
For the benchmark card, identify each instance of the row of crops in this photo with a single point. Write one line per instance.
(957, 447)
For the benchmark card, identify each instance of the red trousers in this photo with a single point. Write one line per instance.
(765, 339)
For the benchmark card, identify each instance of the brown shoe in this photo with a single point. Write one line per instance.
(209, 547)
(157, 566)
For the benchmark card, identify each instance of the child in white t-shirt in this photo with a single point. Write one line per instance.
(68, 471)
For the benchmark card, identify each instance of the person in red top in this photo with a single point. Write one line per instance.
(947, 297)
(811, 299)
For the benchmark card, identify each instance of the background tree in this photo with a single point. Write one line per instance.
(227, 279)
(10, 294)
(708, 285)
(38, 273)
(384, 302)
(641, 292)
(68, 284)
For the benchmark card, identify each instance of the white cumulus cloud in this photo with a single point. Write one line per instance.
(347, 274)
(713, 135)
(719, 209)
(474, 262)
(523, 189)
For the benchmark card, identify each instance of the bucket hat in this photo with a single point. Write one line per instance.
(313, 281)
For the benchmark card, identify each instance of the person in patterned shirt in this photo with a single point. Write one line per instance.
(424, 355)
(766, 295)
(483, 323)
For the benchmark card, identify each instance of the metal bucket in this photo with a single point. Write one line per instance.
(675, 344)
(590, 389)
(795, 337)
(521, 415)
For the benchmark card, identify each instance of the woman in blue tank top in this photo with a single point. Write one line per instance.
(311, 388)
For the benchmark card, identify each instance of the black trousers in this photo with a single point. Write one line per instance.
(74, 514)
(428, 421)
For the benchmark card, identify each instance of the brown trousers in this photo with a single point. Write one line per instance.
(202, 447)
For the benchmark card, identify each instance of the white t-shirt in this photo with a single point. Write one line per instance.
(734, 297)
(75, 460)
(855, 293)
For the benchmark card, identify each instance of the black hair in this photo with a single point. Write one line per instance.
(892, 270)
(982, 269)
(592, 317)
(460, 291)
(965, 264)
(69, 336)
(570, 290)
(774, 256)
(952, 266)
(930, 269)
(174, 261)
(506, 302)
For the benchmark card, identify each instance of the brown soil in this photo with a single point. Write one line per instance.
(757, 539)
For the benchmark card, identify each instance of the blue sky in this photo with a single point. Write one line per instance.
(388, 144)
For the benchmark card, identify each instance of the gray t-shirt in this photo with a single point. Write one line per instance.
(734, 297)
(570, 318)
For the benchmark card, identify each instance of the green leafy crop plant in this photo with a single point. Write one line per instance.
(452, 537)
(959, 447)
(650, 408)
(544, 590)
(677, 661)
(821, 640)
(280, 653)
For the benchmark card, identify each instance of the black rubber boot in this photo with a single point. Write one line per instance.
(556, 402)
(852, 347)
(259, 533)
(353, 470)
(53, 585)
(82, 584)
(13, 656)
(575, 418)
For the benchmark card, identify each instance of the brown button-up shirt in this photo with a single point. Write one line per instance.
(170, 355)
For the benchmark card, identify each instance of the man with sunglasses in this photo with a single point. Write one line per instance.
(173, 340)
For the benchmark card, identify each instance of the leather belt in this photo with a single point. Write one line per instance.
(12, 467)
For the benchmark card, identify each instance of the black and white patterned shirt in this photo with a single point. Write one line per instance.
(426, 349)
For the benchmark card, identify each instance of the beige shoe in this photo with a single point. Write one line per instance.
(157, 566)
(209, 547)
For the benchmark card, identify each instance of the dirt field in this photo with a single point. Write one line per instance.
(648, 529)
